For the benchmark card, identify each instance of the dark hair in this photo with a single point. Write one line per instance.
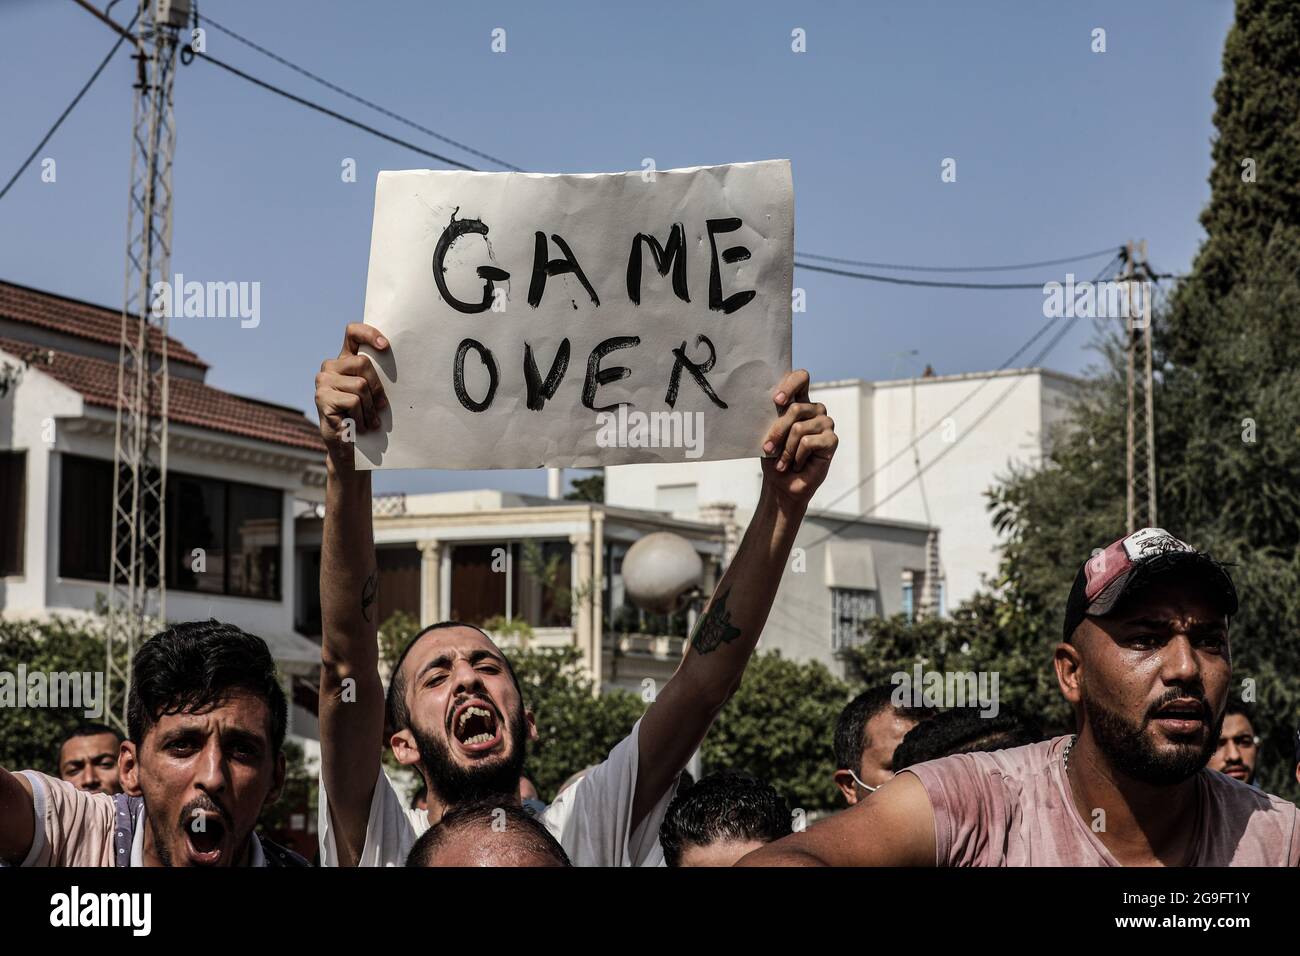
(964, 731)
(727, 805)
(85, 729)
(397, 716)
(1236, 707)
(851, 727)
(525, 831)
(193, 667)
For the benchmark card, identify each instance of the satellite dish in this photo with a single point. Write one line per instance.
(660, 571)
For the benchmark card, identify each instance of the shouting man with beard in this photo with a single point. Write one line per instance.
(206, 721)
(1146, 665)
(455, 711)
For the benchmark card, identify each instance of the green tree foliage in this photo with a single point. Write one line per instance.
(591, 488)
(1227, 377)
(30, 736)
(987, 633)
(575, 728)
(779, 726)
(300, 793)
(1257, 115)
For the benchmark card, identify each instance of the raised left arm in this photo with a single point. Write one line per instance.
(725, 634)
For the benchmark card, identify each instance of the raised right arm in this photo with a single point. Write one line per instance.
(349, 396)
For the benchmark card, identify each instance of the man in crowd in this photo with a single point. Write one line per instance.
(88, 759)
(1146, 665)
(454, 707)
(206, 723)
(867, 732)
(721, 818)
(487, 833)
(1238, 751)
(961, 731)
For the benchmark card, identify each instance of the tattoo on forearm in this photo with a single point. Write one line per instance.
(369, 591)
(714, 628)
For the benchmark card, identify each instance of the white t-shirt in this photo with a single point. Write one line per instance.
(591, 819)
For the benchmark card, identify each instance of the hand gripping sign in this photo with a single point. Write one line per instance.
(579, 320)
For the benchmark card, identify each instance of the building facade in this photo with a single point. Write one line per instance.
(496, 558)
(239, 470)
(915, 459)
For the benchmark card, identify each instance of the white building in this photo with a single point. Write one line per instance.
(914, 454)
(238, 471)
(476, 556)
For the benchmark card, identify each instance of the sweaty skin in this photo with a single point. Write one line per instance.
(205, 779)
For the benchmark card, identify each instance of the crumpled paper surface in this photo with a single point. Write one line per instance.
(598, 215)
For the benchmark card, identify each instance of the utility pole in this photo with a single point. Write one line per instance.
(1141, 504)
(137, 565)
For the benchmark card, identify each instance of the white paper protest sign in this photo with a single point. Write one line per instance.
(579, 320)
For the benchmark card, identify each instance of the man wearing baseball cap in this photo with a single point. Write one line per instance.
(1146, 665)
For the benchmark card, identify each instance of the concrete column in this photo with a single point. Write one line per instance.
(430, 582)
(598, 596)
(582, 582)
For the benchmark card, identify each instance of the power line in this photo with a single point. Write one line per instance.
(359, 99)
(71, 106)
(500, 162)
(967, 398)
(895, 280)
(331, 113)
(1112, 250)
(510, 166)
(1061, 333)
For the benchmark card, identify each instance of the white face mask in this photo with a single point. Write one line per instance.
(863, 785)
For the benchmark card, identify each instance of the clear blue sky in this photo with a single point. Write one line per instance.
(1059, 150)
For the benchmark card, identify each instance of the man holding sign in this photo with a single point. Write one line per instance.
(614, 264)
(455, 711)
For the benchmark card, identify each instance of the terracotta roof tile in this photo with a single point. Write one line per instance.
(189, 402)
(74, 317)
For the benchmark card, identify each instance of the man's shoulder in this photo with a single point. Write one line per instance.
(1232, 793)
(1250, 826)
(1012, 763)
(62, 793)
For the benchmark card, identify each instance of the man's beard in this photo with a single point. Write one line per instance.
(496, 776)
(1132, 752)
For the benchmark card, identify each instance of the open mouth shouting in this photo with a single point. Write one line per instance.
(475, 726)
(1185, 715)
(205, 838)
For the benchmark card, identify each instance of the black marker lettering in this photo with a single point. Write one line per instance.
(697, 372)
(458, 375)
(734, 254)
(540, 392)
(544, 268)
(455, 229)
(598, 376)
(674, 257)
